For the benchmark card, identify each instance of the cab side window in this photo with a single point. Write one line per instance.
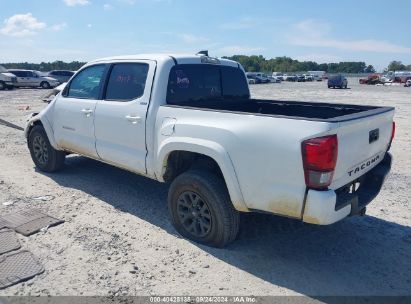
(127, 81)
(87, 83)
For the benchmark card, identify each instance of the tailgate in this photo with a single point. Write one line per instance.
(362, 144)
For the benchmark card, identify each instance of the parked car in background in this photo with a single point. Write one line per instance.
(408, 83)
(61, 76)
(300, 78)
(309, 77)
(264, 78)
(251, 81)
(7, 80)
(30, 78)
(372, 79)
(274, 79)
(337, 81)
(291, 78)
(278, 75)
(258, 77)
(318, 75)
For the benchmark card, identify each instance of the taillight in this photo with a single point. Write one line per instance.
(392, 134)
(319, 159)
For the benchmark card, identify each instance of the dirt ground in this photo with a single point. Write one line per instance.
(117, 239)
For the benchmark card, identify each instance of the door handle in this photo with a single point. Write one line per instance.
(133, 119)
(87, 112)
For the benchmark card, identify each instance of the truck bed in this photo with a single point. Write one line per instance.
(316, 111)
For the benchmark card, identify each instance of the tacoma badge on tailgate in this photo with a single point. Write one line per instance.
(371, 162)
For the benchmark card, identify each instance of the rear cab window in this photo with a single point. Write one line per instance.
(191, 83)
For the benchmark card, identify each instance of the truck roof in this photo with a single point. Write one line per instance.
(179, 58)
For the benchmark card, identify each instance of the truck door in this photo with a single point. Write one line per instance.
(120, 118)
(74, 111)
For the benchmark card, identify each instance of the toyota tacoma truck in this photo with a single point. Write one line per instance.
(190, 121)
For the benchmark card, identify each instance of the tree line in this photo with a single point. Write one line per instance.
(398, 66)
(45, 66)
(250, 63)
(287, 64)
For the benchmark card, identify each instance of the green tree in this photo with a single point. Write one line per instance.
(396, 66)
(369, 69)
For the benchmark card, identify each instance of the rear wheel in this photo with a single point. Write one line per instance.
(45, 85)
(45, 157)
(201, 210)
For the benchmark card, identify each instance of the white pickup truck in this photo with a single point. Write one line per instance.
(190, 121)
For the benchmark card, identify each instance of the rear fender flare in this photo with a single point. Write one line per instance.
(207, 148)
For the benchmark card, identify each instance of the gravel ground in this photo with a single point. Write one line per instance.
(117, 238)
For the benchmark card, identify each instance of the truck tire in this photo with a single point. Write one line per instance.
(44, 156)
(201, 210)
(2, 86)
(45, 85)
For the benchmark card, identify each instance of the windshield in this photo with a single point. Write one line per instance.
(201, 82)
(2, 69)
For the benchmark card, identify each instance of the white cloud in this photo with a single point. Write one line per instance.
(21, 25)
(313, 33)
(76, 2)
(192, 39)
(239, 50)
(107, 7)
(89, 25)
(58, 27)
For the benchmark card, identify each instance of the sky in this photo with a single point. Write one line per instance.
(376, 32)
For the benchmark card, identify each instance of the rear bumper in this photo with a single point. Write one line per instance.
(327, 207)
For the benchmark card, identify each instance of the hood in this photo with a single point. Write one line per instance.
(49, 78)
(61, 87)
(8, 74)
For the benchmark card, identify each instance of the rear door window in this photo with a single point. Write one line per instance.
(127, 81)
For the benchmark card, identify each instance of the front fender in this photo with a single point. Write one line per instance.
(210, 149)
(40, 118)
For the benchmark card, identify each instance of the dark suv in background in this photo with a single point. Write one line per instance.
(61, 76)
(337, 81)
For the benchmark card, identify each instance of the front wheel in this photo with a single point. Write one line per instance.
(45, 157)
(2, 86)
(45, 85)
(201, 210)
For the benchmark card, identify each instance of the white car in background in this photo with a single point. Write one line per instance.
(7, 80)
(30, 78)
